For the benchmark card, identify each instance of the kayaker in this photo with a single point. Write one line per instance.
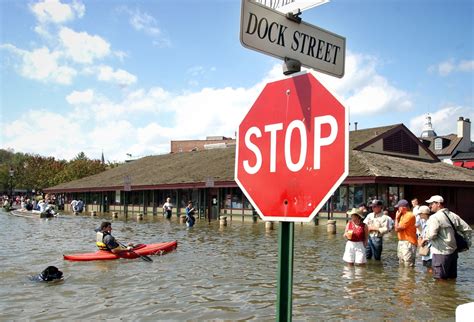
(105, 240)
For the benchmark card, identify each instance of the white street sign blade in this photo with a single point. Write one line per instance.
(286, 6)
(272, 33)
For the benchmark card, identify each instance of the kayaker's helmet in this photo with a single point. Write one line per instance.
(51, 273)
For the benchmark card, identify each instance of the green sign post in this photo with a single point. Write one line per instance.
(285, 270)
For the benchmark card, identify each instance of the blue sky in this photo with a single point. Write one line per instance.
(129, 76)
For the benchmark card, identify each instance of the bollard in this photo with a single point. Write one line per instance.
(316, 221)
(269, 225)
(254, 216)
(139, 216)
(331, 226)
(93, 214)
(182, 219)
(223, 221)
(114, 214)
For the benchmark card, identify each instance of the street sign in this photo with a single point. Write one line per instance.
(209, 182)
(272, 33)
(292, 149)
(285, 6)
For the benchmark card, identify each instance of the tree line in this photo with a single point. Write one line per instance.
(23, 171)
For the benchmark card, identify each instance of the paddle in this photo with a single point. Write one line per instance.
(144, 257)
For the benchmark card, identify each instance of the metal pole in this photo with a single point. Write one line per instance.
(285, 271)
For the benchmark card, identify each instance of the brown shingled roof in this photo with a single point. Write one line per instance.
(359, 137)
(366, 164)
(192, 169)
(170, 169)
(453, 143)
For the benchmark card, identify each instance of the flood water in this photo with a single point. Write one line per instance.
(216, 273)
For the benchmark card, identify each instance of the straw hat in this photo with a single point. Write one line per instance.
(355, 211)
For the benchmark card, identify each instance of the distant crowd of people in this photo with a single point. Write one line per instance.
(430, 227)
(44, 204)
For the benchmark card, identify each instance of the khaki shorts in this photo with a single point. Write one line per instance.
(406, 252)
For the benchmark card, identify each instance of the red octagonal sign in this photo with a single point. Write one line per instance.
(292, 149)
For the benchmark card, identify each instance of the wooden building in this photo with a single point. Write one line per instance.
(387, 163)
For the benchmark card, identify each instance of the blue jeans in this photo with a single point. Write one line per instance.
(374, 248)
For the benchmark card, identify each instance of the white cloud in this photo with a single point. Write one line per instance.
(37, 139)
(363, 90)
(53, 11)
(466, 66)
(114, 131)
(79, 8)
(144, 22)
(197, 73)
(143, 121)
(451, 66)
(444, 120)
(43, 65)
(82, 47)
(120, 76)
(77, 97)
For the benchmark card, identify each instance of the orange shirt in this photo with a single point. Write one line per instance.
(408, 225)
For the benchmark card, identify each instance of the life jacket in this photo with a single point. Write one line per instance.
(100, 241)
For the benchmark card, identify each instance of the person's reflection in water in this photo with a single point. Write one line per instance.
(354, 286)
(352, 272)
(404, 286)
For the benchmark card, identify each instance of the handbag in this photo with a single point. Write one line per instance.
(424, 250)
(461, 243)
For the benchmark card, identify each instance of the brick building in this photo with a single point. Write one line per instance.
(211, 142)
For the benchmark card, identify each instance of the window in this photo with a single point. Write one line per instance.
(226, 199)
(356, 195)
(395, 193)
(185, 196)
(382, 192)
(117, 197)
(339, 199)
(400, 142)
(438, 144)
(370, 193)
(236, 200)
(247, 204)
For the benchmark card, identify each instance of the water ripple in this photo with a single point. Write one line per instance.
(215, 274)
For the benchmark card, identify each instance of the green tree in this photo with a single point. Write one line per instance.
(35, 172)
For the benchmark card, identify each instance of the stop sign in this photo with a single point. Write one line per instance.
(292, 149)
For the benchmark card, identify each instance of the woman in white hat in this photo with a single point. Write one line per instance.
(356, 233)
(424, 212)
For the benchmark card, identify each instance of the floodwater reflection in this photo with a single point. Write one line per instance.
(215, 273)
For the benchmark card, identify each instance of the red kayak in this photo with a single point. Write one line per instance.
(143, 249)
